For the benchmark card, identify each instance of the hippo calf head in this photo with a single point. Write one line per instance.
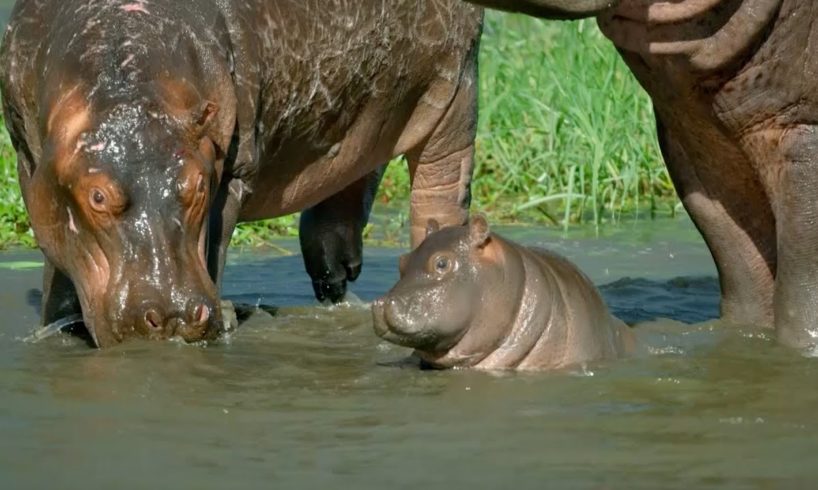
(441, 286)
(118, 203)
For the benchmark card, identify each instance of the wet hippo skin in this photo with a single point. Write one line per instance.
(469, 298)
(146, 129)
(734, 89)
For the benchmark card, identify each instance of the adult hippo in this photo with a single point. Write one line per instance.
(146, 129)
(735, 92)
(470, 298)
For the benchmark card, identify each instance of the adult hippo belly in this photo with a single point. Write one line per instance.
(146, 129)
(736, 99)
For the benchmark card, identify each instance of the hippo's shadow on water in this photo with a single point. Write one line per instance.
(684, 299)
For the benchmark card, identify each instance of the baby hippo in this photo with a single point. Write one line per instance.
(469, 298)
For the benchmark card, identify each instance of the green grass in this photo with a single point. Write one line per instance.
(565, 136)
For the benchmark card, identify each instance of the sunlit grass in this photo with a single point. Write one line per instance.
(565, 136)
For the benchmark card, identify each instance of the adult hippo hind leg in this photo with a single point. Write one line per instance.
(796, 284)
(331, 236)
(728, 204)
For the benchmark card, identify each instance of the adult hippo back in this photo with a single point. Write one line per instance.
(146, 129)
(735, 93)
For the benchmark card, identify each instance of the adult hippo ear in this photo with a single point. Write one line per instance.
(203, 118)
(551, 9)
(199, 114)
(479, 231)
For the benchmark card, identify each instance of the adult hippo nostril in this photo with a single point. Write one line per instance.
(153, 320)
(199, 324)
(201, 313)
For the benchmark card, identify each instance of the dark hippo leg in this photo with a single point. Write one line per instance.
(794, 154)
(441, 168)
(59, 296)
(221, 224)
(331, 236)
(729, 206)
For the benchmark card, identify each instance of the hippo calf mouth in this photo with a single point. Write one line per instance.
(389, 326)
(388, 329)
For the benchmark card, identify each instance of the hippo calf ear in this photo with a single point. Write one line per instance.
(432, 226)
(478, 230)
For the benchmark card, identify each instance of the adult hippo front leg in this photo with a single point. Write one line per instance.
(331, 236)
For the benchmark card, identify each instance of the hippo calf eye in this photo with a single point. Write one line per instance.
(442, 264)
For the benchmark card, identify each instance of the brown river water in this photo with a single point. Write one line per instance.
(310, 398)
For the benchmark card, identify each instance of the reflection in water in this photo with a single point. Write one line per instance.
(306, 396)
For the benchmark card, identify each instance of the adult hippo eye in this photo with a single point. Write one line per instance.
(98, 199)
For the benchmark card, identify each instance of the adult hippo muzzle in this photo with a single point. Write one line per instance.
(145, 130)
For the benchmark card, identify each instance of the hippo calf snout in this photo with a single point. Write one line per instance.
(386, 317)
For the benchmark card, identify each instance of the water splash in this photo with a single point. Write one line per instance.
(53, 328)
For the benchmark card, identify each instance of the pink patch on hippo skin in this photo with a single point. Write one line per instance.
(127, 60)
(71, 225)
(97, 147)
(135, 7)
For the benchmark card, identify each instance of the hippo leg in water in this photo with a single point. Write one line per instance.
(469, 298)
(735, 95)
(331, 236)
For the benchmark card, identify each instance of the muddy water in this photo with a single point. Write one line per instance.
(308, 397)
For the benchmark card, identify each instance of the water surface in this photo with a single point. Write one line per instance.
(310, 398)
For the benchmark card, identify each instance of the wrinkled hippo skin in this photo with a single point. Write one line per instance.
(146, 129)
(736, 100)
(469, 298)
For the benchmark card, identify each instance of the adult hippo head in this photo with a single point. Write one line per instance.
(121, 136)
(551, 9)
(118, 203)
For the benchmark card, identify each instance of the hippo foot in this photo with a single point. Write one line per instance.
(335, 290)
